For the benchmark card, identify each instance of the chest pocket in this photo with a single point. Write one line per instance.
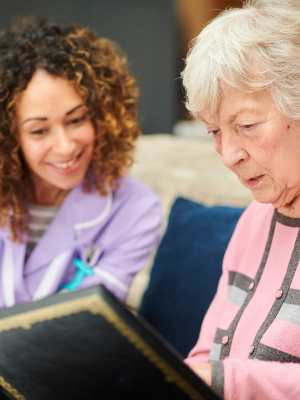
(281, 341)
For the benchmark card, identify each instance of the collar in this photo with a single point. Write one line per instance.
(77, 221)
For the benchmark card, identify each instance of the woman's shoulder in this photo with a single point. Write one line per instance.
(132, 188)
(256, 214)
(251, 229)
(259, 208)
(129, 195)
(5, 233)
(127, 187)
(134, 197)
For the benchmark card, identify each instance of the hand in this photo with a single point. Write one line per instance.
(203, 370)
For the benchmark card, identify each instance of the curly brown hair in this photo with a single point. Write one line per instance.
(98, 69)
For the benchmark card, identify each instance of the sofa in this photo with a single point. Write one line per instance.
(201, 203)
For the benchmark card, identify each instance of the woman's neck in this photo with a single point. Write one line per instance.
(291, 209)
(53, 198)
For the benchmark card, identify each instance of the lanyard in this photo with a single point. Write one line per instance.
(82, 271)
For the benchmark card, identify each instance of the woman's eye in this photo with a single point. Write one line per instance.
(247, 127)
(213, 132)
(40, 131)
(78, 120)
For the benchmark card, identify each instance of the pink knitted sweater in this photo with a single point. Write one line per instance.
(251, 332)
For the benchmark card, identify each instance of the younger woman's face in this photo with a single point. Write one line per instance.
(56, 135)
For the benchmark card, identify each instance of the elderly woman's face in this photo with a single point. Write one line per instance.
(56, 135)
(261, 146)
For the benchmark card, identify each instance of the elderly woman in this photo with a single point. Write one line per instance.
(242, 79)
(71, 216)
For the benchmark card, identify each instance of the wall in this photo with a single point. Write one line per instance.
(145, 29)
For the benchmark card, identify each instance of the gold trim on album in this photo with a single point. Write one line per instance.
(10, 389)
(96, 305)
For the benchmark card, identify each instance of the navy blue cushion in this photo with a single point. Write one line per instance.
(186, 270)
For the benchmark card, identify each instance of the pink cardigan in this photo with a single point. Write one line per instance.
(251, 332)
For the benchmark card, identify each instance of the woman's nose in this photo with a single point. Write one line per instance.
(231, 151)
(64, 143)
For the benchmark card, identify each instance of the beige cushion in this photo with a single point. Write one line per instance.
(176, 166)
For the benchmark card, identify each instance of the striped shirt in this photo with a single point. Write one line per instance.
(40, 218)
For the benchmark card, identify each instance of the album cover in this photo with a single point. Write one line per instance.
(88, 345)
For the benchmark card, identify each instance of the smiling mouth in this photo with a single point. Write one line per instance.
(69, 164)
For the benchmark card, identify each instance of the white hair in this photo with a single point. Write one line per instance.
(251, 48)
